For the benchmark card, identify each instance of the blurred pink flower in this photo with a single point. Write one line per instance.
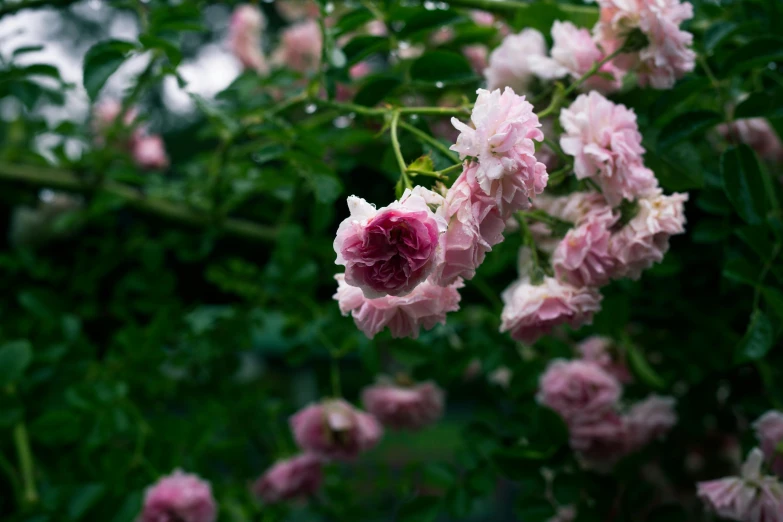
(404, 407)
(357, 72)
(105, 113)
(300, 47)
(667, 55)
(509, 63)
(504, 127)
(294, 10)
(650, 419)
(769, 432)
(475, 226)
(582, 258)
(477, 56)
(244, 37)
(564, 514)
(376, 28)
(392, 250)
(574, 207)
(606, 144)
(601, 441)
(573, 54)
(179, 497)
(424, 307)
(645, 239)
(578, 390)
(598, 349)
(484, 18)
(334, 429)
(531, 311)
(757, 134)
(288, 479)
(149, 151)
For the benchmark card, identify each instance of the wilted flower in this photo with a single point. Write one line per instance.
(404, 407)
(149, 152)
(757, 134)
(179, 497)
(578, 390)
(573, 54)
(582, 258)
(509, 63)
(650, 419)
(334, 429)
(244, 37)
(531, 311)
(300, 47)
(666, 56)
(504, 127)
(426, 306)
(392, 250)
(769, 432)
(292, 478)
(606, 144)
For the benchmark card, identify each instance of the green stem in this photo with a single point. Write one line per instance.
(594, 69)
(763, 274)
(429, 140)
(556, 149)
(499, 6)
(439, 174)
(22, 443)
(542, 217)
(395, 119)
(559, 175)
(437, 111)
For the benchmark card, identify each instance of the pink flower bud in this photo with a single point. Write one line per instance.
(769, 432)
(404, 407)
(578, 390)
(149, 152)
(179, 497)
(247, 22)
(288, 479)
(334, 429)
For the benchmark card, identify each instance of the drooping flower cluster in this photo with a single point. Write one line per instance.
(587, 396)
(147, 150)
(177, 497)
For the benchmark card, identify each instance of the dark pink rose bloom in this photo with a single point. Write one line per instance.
(179, 497)
(769, 432)
(392, 250)
(334, 429)
(578, 390)
(404, 407)
(292, 478)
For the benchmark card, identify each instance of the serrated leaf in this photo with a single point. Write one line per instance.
(15, 357)
(101, 61)
(423, 163)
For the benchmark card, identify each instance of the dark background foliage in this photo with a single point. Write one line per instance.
(134, 343)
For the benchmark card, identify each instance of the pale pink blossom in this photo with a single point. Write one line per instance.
(573, 54)
(583, 258)
(667, 55)
(757, 134)
(106, 113)
(564, 514)
(179, 497)
(578, 390)
(442, 35)
(606, 144)
(244, 37)
(484, 18)
(376, 28)
(530, 311)
(357, 72)
(574, 207)
(501, 138)
(404, 407)
(509, 63)
(334, 429)
(645, 239)
(751, 497)
(294, 10)
(426, 306)
(475, 225)
(392, 250)
(477, 56)
(149, 151)
(292, 478)
(649, 420)
(769, 432)
(599, 350)
(300, 47)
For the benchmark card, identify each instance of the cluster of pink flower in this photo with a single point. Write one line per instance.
(586, 392)
(752, 497)
(148, 150)
(638, 36)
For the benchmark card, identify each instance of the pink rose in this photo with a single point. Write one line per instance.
(531, 311)
(645, 239)
(357, 72)
(578, 390)
(288, 479)
(509, 63)
(179, 497)
(244, 37)
(650, 419)
(294, 10)
(600, 442)
(404, 407)
(606, 144)
(300, 47)
(504, 127)
(757, 134)
(484, 18)
(573, 54)
(574, 207)
(477, 56)
(106, 113)
(598, 349)
(667, 55)
(475, 226)
(424, 307)
(149, 152)
(334, 429)
(769, 432)
(582, 258)
(392, 250)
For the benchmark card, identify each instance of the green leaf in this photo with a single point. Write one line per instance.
(420, 509)
(15, 357)
(40, 69)
(101, 61)
(740, 270)
(687, 125)
(757, 340)
(425, 21)
(743, 183)
(57, 427)
(83, 499)
(761, 105)
(441, 67)
(422, 163)
(353, 19)
(774, 299)
(642, 369)
(27, 49)
(710, 231)
(171, 50)
(363, 46)
(532, 509)
(129, 509)
(756, 53)
(375, 88)
(663, 108)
